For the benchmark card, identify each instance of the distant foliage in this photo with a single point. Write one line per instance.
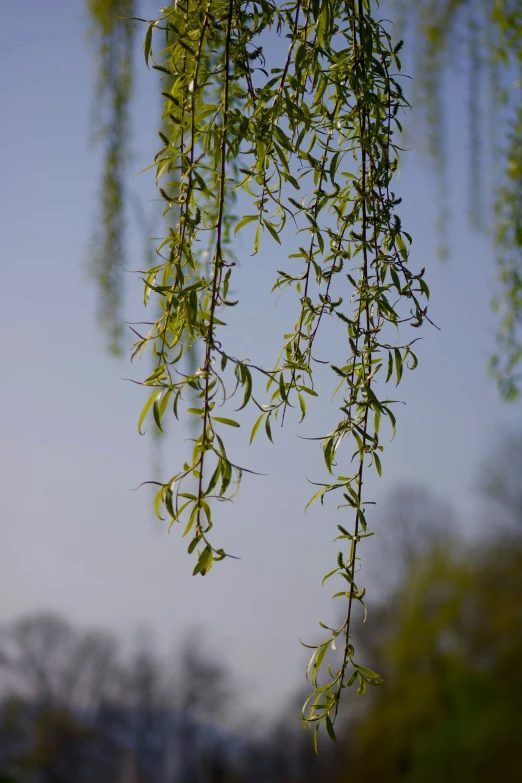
(113, 35)
(449, 644)
(447, 637)
(485, 38)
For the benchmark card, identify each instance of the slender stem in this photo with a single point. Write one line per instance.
(217, 264)
(362, 113)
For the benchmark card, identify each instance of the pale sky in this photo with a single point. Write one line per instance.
(75, 538)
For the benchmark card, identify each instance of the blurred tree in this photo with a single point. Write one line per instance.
(56, 679)
(43, 655)
(62, 744)
(449, 648)
(408, 522)
(202, 691)
(501, 481)
(449, 645)
(453, 702)
(113, 35)
(72, 710)
(13, 737)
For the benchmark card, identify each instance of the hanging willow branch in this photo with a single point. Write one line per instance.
(310, 145)
(506, 362)
(113, 33)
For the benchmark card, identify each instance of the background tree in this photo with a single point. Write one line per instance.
(56, 681)
(447, 639)
(72, 707)
(448, 647)
(501, 480)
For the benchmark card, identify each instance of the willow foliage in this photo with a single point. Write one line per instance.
(113, 35)
(484, 36)
(310, 145)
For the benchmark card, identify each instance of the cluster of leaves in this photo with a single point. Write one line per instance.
(310, 144)
(486, 37)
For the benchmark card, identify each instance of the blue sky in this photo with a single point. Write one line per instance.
(75, 538)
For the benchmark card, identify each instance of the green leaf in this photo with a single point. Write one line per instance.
(310, 664)
(302, 405)
(226, 473)
(321, 652)
(257, 239)
(368, 672)
(247, 382)
(330, 728)
(335, 571)
(214, 480)
(402, 247)
(282, 389)
(390, 366)
(361, 690)
(206, 509)
(268, 429)
(204, 563)
(192, 518)
(244, 221)
(193, 544)
(148, 43)
(272, 230)
(398, 364)
(393, 421)
(377, 420)
(256, 427)
(150, 402)
(318, 494)
(351, 679)
(222, 420)
(157, 412)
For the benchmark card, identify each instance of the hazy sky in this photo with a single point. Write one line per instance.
(75, 538)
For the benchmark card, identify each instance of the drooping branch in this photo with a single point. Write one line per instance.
(310, 145)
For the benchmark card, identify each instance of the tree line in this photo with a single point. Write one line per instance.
(446, 635)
